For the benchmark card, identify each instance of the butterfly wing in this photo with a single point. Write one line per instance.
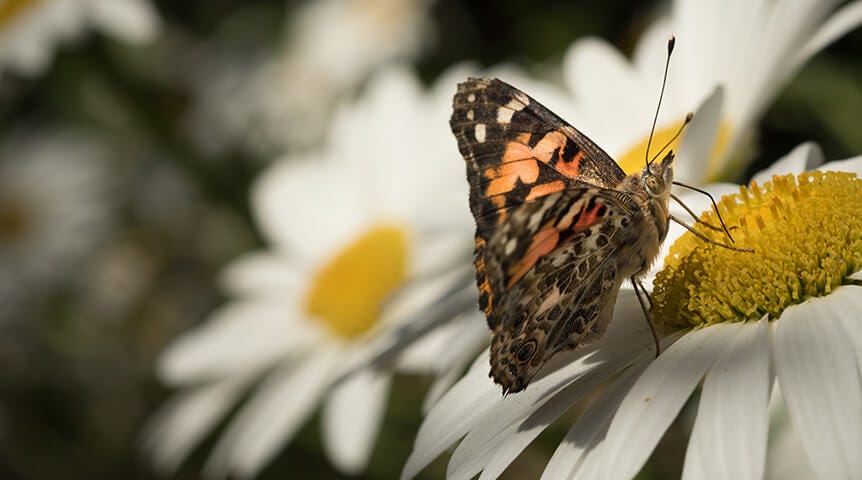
(560, 262)
(517, 151)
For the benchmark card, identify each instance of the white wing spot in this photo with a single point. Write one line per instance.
(510, 246)
(471, 97)
(536, 218)
(523, 98)
(470, 115)
(479, 133)
(504, 115)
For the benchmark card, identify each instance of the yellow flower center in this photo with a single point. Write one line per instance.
(807, 235)
(9, 9)
(633, 160)
(348, 293)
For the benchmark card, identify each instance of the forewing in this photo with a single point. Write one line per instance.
(556, 266)
(517, 151)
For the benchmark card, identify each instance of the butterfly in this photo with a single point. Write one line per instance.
(559, 226)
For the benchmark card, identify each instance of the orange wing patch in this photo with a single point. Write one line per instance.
(588, 218)
(545, 189)
(521, 162)
(518, 149)
(506, 176)
(548, 238)
(544, 242)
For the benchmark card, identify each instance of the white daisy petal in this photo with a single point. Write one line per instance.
(848, 302)
(729, 434)
(281, 197)
(473, 334)
(455, 343)
(524, 433)
(693, 468)
(656, 398)
(650, 52)
(263, 273)
(587, 434)
(601, 79)
(696, 146)
(594, 364)
(819, 377)
(849, 165)
(453, 416)
(785, 459)
(506, 446)
(806, 156)
(183, 422)
(276, 411)
(543, 397)
(352, 417)
(263, 328)
(504, 415)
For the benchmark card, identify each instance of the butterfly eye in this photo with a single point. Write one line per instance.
(526, 351)
(653, 184)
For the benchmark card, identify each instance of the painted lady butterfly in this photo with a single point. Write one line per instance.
(559, 226)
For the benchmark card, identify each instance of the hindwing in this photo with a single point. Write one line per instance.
(555, 265)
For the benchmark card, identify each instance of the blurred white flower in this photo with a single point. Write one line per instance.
(362, 235)
(785, 315)
(732, 59)
(54, 210)
(330, 47)
(30, 30)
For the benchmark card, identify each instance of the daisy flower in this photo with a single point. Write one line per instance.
(731, 61)
(286, 99)
(738, 322)
(362, 235)
(54, 210)
(30, 30)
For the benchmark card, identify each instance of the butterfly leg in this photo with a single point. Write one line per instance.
(696, 218)
(714, 207)
(711, 242)
(638, 290)
(644, 290)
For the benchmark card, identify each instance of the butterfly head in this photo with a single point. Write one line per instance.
(657, 177)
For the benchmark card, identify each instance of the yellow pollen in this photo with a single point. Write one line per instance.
(348, 293)
(806, 231)
(634, 159)
(10, 9)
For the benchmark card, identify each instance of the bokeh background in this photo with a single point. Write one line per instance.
(144, 152)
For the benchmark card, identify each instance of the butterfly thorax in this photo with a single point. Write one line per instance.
(650, 188)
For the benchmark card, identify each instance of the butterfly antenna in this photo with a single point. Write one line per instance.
(676, 135)
(670, 44)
